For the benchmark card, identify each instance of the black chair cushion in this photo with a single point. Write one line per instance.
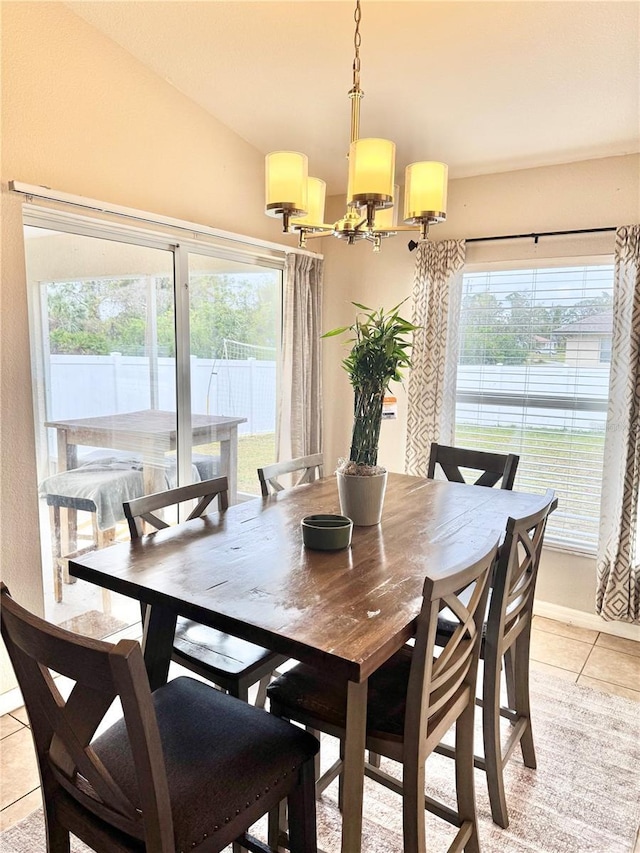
(317, 695)
(221, 756)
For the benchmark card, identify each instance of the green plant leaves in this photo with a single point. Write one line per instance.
(379, 353)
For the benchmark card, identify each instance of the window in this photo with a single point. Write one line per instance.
(533, 379)
(141, 384)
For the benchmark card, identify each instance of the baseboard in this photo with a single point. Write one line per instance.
(10, 701)
(582, 619)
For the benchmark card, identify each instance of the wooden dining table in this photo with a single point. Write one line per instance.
(247, 572)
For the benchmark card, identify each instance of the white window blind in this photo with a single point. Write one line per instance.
(533, 379)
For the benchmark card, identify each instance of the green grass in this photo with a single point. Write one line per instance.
(254, 451)
(568, 462)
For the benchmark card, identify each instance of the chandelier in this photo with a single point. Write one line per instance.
(372, 196)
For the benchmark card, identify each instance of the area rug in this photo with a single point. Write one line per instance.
(583, 798)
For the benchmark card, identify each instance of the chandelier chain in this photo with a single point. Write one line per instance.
(357, 40)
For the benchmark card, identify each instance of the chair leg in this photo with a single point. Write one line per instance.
(316, 761)
(340, 779)
(465, 790)
(413, 811)
(261, 696)
(491, 737)
(240, 691)
(522, 702)
(58, 840)
(277, 825)
(302, 812)
(68, 540)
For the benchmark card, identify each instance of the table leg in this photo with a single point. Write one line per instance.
(353, 769)
(68, 527)
(157, 643)
(229, 463)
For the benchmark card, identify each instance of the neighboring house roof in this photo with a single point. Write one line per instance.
(596, 324)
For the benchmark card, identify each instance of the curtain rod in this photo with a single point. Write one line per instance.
(49, 194)
(535, 235)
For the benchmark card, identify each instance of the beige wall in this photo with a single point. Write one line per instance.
(80, 115)
(590, 194)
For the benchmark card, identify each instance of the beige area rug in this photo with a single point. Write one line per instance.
(583, 798)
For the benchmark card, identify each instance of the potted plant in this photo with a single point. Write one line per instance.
(379, 353)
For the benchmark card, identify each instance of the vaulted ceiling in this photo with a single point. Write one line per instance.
(483, 86)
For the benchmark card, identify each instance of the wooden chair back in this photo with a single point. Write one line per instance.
(514, 582)
(309, 467)
(445, 686)
(493, 466)
(142, 509)
(62, 731)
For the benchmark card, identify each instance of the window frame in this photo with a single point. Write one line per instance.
(570, 403)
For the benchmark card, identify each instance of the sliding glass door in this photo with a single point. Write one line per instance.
(234, 323)
(154, 365)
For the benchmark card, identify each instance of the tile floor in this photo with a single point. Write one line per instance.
(601, 661)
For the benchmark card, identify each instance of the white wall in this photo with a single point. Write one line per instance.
(589, 194)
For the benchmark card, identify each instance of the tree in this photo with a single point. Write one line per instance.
(106, 315)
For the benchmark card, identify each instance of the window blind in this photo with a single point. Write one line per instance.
(533, 379)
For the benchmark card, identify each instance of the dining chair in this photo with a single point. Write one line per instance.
(309, 466)
(186, 768)
(230, 662)
(413, 699)
(506, 641)
(493, 466)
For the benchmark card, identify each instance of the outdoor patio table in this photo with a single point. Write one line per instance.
(247, 572)
(152, 433)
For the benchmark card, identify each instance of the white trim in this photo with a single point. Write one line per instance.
(582, 619)
(10, 701)
(48, 194)
(553, 262)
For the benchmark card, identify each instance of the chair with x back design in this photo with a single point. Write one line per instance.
(493, 466)
(186, 768)
(506, 643)
(309, 467)
(230, 662)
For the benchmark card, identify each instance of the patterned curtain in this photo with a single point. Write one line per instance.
(618, 566)
(299, 418)
(437, 289)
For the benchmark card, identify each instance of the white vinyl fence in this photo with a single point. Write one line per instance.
(83, 386)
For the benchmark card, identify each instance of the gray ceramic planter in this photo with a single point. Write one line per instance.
(362, 498)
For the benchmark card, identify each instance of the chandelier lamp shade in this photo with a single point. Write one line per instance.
(372, 196)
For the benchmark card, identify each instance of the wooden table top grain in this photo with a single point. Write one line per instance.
(246, 570)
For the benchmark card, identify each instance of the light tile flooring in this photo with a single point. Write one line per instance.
(587, 657)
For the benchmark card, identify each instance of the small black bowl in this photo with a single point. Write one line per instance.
(326, 532)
